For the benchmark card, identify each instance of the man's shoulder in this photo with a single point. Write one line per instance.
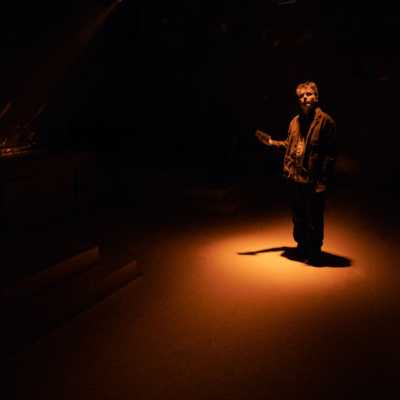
(326, 117)
(294, 119)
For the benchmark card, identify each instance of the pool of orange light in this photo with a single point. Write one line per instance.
(229, 277)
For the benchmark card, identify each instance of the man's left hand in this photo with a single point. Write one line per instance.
(320, 188)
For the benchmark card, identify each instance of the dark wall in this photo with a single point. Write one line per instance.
(186, 83)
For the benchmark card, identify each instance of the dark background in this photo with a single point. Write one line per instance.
(144, 116)
(184, 84)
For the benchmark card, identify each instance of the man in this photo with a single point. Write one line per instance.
(308, 165)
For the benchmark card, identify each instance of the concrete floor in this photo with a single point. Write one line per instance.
(204, 322)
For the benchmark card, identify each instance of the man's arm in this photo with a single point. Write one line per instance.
(267, 140)
(328, 157)
(280, 144)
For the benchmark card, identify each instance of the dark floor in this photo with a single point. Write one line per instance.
(205, 322)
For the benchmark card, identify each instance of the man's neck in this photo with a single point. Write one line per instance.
(307, 117)
(305, 122)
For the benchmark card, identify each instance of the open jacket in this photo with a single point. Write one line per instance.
(318, 158)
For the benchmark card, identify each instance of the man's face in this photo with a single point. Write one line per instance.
(307, 99)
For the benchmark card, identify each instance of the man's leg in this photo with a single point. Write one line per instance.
(299, 217)
(315, 224)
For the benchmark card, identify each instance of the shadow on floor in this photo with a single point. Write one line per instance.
(326, 260)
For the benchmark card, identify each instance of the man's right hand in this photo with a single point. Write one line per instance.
(264, 137)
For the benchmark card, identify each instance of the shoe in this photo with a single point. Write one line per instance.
(301, 252)
(314, 257)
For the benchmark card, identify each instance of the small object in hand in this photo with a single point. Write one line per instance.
(263, 137)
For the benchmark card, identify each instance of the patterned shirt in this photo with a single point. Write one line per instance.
(310, 158)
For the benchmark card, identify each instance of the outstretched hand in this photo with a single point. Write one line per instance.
(264, 137)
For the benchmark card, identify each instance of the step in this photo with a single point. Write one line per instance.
(30, 317)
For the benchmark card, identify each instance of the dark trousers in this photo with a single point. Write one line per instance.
(308, 216)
